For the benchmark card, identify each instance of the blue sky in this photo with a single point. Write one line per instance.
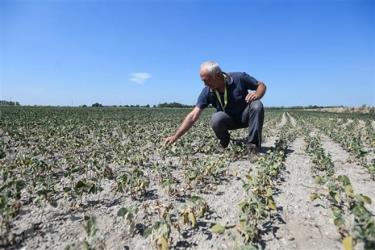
(65, 52)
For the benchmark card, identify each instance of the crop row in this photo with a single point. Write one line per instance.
(259, 206)
(352, 137)
(352, 219)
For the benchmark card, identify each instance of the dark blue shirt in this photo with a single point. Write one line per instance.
(237, 88)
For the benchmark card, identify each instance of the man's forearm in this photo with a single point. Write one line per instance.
(261, 90)
(185, 126)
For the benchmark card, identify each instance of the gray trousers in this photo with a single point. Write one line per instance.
(252, 117)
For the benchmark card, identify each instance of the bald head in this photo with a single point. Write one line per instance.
(211, 74)
(210, 67)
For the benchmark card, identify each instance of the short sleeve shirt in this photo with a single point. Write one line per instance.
(238, 84)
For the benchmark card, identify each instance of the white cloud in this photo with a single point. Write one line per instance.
(140, 77)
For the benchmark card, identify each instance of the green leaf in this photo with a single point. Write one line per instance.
(80, 184)
(195, 198)
(349, 190)
(366, 199)
(344, 180)
(147, 232)
(314, 196)
(2, 154)
(43, 192)
(217, 229)
(122, 211)
(318, 180)
(86, 245)
(90, 225)
(192, 219)
(271, 204)
(269, 192)
(338, 222)
(336, 196)
(184, 218)
(76, 169)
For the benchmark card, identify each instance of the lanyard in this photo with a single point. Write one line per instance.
(225, 98)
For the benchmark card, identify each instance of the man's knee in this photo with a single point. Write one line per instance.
(256, 106)
(217, 120)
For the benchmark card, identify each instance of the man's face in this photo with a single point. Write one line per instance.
(211, 81)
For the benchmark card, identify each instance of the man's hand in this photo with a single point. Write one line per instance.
(170, 140)
(251, 97)
(185, 126)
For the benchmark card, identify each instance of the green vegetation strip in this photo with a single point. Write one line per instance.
(345, 130)
(260, 205)
(343, 201)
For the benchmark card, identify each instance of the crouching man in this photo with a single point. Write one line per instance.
(236, 107)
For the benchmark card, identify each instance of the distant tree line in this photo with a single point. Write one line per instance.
(9, 103)
(161, 105)
(371, 109)
(174, 105)
(97, 105)
(305, 107)
(179, 105)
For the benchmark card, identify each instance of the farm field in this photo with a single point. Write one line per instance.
(101, 178)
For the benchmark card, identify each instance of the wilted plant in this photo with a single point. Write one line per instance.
(133, 182)
(160, 231)
(129, 214)
(91, 241)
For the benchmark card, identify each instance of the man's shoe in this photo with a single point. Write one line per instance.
(253, 152)
(224, 142)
